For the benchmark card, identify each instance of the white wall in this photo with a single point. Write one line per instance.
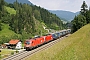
(19, 45)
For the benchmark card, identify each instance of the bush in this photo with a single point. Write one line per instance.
(17, 51)
(12, 53)
(0, 56)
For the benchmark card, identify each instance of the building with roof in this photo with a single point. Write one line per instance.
(15, 44)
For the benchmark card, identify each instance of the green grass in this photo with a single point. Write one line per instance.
(10, 10)
(6, 52)
(6, 31)
(74, 47)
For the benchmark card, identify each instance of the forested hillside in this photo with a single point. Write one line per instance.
(26, 20)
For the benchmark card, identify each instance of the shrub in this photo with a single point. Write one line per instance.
(12, 53)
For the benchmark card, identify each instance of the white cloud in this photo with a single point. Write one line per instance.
(69, 5)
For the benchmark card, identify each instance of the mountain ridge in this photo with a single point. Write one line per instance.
(64, 15)
(20, 1)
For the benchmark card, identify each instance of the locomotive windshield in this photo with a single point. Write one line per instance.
(27, 42)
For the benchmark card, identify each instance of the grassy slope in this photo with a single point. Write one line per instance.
(5, 31)
(74, 47)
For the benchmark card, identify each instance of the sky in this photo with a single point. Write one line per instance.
(67, 5)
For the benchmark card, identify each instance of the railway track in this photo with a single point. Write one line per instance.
(24, 54)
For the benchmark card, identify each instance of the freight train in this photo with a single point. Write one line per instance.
(39, 40)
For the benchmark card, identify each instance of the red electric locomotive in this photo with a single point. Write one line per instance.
(31, 43)
(48, 38)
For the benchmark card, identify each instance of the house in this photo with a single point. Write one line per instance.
(15, 44)
(3, 46)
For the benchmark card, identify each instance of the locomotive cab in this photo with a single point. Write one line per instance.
(27, 44)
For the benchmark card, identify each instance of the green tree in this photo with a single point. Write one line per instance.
(84, 8)
(78, 22)
(37, 14)
(0, 25)
(1, 11)
(1, 4)
(88, 16)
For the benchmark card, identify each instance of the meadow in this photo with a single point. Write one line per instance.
(74, 47)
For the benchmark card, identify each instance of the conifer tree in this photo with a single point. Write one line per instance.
(78, 22)
(88, 16)
(84, 8)
(1, 10)
(1, 4)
